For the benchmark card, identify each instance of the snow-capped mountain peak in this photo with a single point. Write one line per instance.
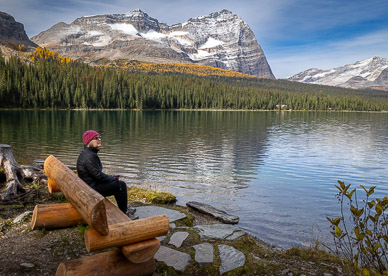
(220, 39)
(360, 74)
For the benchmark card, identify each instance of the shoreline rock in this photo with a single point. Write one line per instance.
(214, 212)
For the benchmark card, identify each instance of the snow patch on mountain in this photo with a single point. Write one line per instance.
(124, 27)
(211, 43)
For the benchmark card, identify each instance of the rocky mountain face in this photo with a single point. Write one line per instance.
(369, 73)
(220, 39)
(12, 31)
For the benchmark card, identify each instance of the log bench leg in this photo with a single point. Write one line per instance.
(141, 252)
(107, 263)
(57, 215)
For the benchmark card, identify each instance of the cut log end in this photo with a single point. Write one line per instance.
(141, 252)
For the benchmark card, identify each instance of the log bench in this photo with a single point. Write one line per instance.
(109, 227)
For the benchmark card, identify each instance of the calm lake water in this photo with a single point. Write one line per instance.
(275, 170)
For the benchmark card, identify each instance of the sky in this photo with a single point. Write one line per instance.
(295, 35)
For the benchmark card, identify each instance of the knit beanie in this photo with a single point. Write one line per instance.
(89, 135)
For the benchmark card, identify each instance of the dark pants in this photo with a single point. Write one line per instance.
(118, 189)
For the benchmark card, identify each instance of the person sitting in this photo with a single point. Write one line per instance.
(89, 169)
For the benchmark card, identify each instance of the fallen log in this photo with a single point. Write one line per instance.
(107, 263)
(16, 175)
(58, 215)
(141, 252)
(52, 186)
(88, 202)
(127, 232)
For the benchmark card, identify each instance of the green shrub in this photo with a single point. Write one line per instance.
(362, 237)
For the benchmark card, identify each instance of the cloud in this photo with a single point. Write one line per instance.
(294, 34)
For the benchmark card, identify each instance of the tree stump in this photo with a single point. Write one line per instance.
(16, 174)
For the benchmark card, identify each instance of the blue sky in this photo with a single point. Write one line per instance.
(295, 34)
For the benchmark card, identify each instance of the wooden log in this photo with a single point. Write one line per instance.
(127, 232)
(138, 252)
(107, 263)
(88, 202)
(52, 186)
(55, 216)
(141, 252)
(113, 214)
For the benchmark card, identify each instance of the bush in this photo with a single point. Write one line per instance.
(362, 237)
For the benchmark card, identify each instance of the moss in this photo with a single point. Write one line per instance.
(188, 221)
(156, 197)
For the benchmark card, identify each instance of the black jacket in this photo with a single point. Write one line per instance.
(89, 168)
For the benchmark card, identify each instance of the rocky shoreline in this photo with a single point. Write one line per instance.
(197, 244)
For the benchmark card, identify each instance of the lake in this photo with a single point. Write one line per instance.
(275, 170)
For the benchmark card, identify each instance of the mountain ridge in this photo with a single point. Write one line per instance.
(220, 39)
(12, 33)
(372, 72)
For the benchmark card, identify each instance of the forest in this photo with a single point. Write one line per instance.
(44, 79)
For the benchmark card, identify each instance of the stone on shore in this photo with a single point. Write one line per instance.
(178, 238)
(230, 257)
(150, 211)
(204, 253)
(219, 232)
(210, 210)
(178, 260)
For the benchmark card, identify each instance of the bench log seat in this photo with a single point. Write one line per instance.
(110, 227)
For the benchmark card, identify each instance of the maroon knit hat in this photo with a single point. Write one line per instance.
(89, 135)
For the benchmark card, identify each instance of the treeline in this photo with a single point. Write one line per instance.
(50, 81)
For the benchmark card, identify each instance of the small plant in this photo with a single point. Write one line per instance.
(362, 237)
(82, 228)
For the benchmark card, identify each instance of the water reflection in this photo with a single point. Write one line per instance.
(275, 170)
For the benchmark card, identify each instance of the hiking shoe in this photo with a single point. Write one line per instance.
(131, 210)
(132, 216)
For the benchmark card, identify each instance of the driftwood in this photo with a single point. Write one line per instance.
(17, 176)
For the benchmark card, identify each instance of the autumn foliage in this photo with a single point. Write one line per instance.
(176, 68)
(44, 79)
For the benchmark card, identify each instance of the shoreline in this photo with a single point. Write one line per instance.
(185, 110)
(39, 252)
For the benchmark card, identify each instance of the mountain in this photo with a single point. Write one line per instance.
(12, 33)
(369, 73)
(220, 39)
